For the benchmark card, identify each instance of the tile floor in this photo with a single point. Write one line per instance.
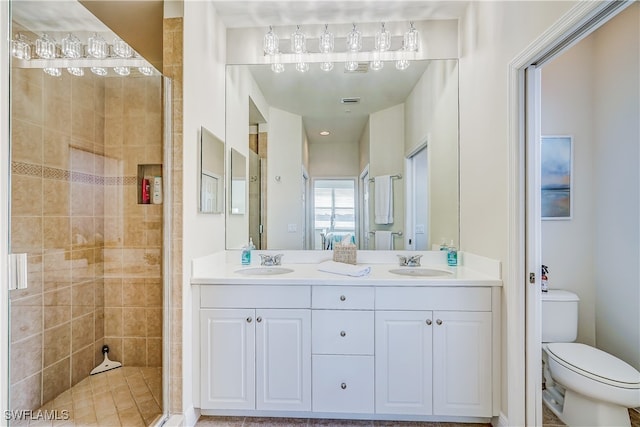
(126, 396)
(207, 421)
(549, 419)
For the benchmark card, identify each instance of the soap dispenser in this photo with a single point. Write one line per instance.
(452, 255)
(246, 252)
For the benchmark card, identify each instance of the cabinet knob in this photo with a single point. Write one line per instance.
(428, 321)
(343, 298)
(258, 319)
(439, 322)
(249, 319)
(343, 334)
(343, 386)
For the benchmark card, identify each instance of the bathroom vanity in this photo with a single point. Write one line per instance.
(389, 345)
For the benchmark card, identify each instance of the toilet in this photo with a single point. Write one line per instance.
(584, 386)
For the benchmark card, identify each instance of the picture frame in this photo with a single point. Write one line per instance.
(556, 177)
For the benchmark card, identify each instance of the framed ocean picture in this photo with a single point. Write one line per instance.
(556, 158)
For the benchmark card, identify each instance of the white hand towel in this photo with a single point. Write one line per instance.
(344, 269)
(384, 240)
(383, 200)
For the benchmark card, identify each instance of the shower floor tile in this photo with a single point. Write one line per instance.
(127, 396)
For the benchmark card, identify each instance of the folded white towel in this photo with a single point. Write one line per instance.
(344, 269)
(384, 240)
(383, 200)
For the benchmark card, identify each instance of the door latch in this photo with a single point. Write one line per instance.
(532, 278)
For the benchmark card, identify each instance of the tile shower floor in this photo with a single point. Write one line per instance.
(126, 396)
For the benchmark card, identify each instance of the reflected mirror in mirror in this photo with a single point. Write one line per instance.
(238, 183)
(211, 172)
(336, 125)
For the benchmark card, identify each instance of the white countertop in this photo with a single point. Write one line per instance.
(221, 268)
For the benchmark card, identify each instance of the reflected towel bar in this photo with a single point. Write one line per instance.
(398, 176)
(397, 233)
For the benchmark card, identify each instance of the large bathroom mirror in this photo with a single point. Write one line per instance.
(211, 173)
(332, 126)
(238, 183)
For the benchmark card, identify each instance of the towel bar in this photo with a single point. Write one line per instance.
(397, 233)
(398, 176)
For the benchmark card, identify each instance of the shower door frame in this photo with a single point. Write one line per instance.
(4, 207)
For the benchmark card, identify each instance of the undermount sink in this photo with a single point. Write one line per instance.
(263, 271)
(420, 272)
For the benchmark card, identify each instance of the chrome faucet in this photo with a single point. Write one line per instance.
(409, 261)
(270, 260)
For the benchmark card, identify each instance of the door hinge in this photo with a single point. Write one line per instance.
(17, 271)
(532, 278)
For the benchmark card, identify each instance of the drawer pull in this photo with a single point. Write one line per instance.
(258, 319)
(343, 386)
(439, 322)
(249, 319)
(429, 322)
(343, 334)
(343, 298)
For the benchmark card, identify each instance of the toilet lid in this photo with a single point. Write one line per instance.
(596, 364)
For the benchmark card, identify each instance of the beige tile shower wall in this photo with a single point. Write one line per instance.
(172, 68)
(57, 210)
(133, 231)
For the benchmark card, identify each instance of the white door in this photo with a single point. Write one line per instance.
(227, 362)
(283, 356)
(403, 362)
(462, 363)
(419, 195)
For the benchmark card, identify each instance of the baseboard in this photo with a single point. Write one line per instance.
(500, 421)
(175, 421)
(191, 416)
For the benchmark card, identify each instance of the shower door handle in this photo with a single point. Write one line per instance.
(17, 271)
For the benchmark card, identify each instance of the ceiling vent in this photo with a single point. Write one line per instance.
(363, 67)
(354, 100)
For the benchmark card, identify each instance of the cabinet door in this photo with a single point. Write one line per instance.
(462, 363)
(403, 362)
(283, 357)
(227, 360)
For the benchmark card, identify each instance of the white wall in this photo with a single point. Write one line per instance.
(617, 180)
(386, 139)
(492, 35)
(284, 160)
(431, 115)
(363, 147)
(334, 159)
(203, 102)
(567, 245)
(239, 88)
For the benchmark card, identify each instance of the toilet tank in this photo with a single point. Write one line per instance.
(559, 316)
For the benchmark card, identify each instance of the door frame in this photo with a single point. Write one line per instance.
(410, 220)
(5, 176)
(525, 320)
(363, 226)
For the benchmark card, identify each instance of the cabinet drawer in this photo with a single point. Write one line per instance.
(435, 298)
(342, 332)
(261, 296)
(343, 297)
(343, 384)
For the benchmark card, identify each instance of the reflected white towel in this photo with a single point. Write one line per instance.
(383, 201)
(384, 240)
(344, 269)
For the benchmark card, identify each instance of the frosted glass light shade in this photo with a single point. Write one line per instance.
(46, 47)
(21, 47)
(121, 48)
(382, 39)
(97, 47)
(326, 41)
(298, 41)
(354, 40)
(71, 47)
(271, 43)
(410, 40)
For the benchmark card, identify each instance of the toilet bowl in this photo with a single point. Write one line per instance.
(585, 386)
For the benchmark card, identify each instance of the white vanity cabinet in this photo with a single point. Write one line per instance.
(256, 358)
(434, 362)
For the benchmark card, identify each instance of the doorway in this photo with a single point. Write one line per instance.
(417, 225)
(334, 211)
(578, 24)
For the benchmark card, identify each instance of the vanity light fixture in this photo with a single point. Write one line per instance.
(271, 43)
(326, 43)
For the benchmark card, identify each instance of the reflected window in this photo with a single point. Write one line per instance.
(334, 202)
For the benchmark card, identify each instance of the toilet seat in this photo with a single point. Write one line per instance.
(595, 364)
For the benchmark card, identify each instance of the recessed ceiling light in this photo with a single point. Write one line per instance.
(325, 133)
